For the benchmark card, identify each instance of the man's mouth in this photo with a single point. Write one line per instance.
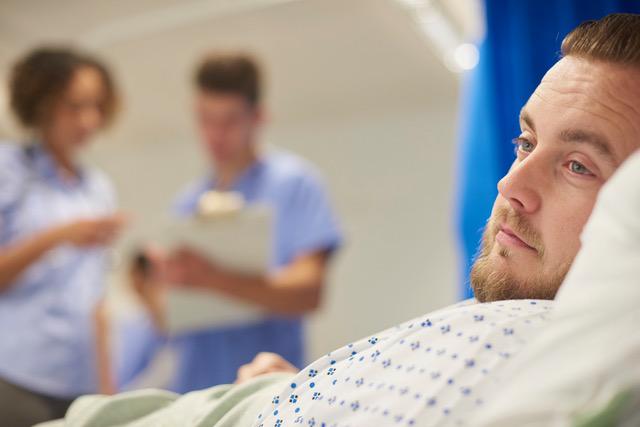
(507, 237)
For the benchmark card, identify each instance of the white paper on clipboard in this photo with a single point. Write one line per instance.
(240, 241)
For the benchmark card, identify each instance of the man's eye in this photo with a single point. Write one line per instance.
(523, 145)
(579, 168)
(526, 146)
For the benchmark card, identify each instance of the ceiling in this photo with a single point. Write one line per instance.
(325, 58)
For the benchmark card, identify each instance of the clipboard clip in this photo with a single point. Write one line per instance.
(219, 204)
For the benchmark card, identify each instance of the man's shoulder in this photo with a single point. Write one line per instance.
(497, 310)
(285, 167)
(291, 175)
(185, 201)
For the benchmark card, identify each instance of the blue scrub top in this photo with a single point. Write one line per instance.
(47, 342)
(304, 222)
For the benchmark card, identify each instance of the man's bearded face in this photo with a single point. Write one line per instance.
(579, 125)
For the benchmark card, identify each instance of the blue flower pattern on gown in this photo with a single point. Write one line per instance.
(425, 372)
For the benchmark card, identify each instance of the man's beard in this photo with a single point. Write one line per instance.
(493, 283)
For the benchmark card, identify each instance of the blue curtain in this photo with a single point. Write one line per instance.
(522, 42)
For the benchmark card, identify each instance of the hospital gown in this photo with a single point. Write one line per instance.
(429, 371)
(426, 372)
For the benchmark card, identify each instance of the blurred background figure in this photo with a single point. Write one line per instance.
(229, 116)
(366, 90)
(56, 218)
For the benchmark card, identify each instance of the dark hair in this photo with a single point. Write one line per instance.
(39, 79)
(230, 73)
(614, 38)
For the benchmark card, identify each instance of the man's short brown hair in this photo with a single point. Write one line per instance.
(614, 38)
(39, 79)
(231, 73)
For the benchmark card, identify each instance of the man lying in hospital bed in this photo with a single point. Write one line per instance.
(448, 367)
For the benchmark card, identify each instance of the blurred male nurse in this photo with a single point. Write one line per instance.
(229, 117)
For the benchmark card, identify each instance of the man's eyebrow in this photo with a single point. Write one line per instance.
(525, 117)
(597, 141)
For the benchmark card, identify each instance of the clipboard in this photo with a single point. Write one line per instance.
(240, 241)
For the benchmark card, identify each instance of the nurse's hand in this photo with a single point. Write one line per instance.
(264, 363)
(187, 267)
(92, 232)
(146, 280)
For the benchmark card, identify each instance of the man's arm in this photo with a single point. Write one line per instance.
(294, 290)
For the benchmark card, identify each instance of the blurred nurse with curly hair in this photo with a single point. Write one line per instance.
(57, 217)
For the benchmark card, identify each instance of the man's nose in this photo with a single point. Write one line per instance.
(520, 186)
(214, 131)
(91, 119)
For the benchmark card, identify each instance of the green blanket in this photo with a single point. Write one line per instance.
(221, 406)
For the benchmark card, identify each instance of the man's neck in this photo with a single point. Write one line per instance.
(228, 172)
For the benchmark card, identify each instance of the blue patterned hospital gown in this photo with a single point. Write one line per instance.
(426, 372)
